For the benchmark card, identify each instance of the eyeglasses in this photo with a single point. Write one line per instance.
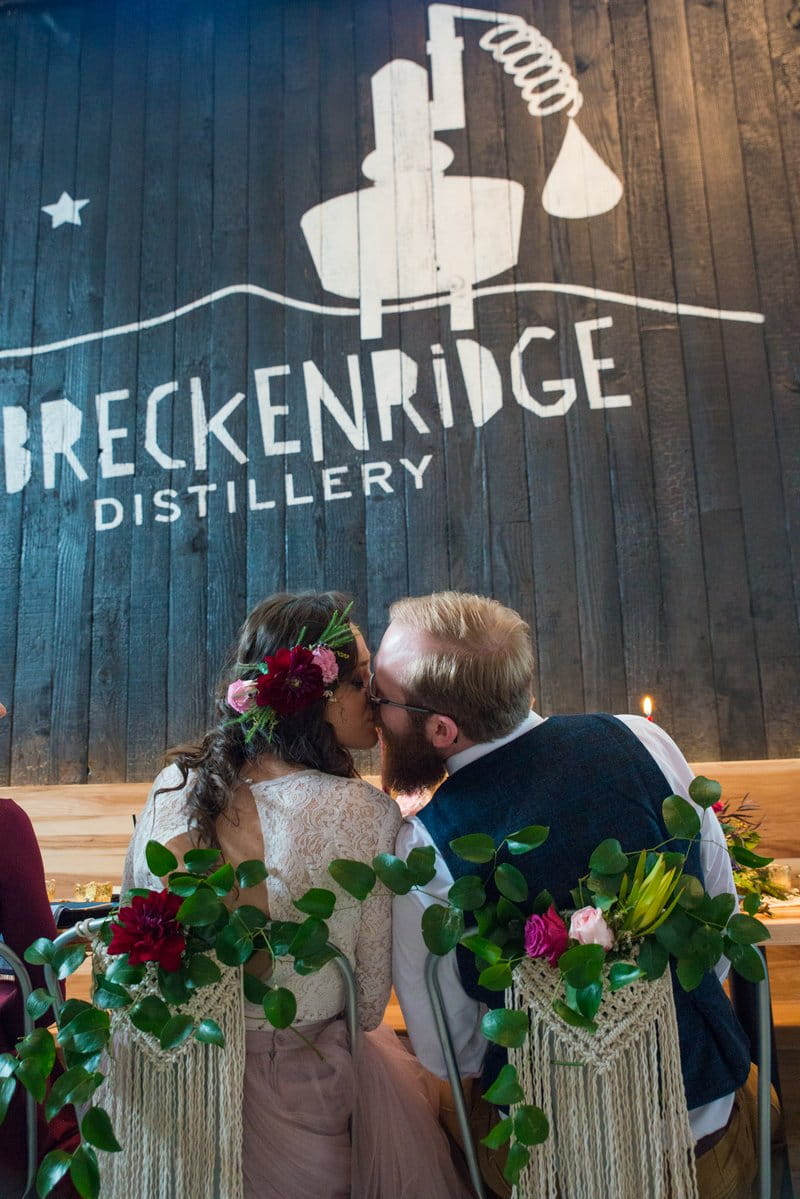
(392, 703)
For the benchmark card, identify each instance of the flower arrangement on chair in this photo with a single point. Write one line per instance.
(155, 965)
(632, 913)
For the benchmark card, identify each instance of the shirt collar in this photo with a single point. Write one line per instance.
(465, 756)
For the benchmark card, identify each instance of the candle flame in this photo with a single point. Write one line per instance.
(647, 706)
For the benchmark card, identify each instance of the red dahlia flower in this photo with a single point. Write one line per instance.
(293, 683)
(148, 931)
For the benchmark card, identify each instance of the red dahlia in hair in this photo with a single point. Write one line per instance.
(294, 681)
(148, 931)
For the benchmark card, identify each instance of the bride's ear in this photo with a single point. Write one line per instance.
(442, 731)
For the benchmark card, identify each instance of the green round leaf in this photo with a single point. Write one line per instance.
(587, 1000)
(720, 908)
(681, 819)
(160, 860)
(653, 958)
(199, 860)
(608, 858)
(676, 932)
(96, 1129)
(54, 1166)
(84, 1172)
(317, 901)
(8, 1086)
(120, 971)
(310, 938)
(223, 879)
(496, 978)
(40, 952)
(505, 1026)
(751, 903)
(73, 1086)
(475, 847)
(67, 959)
(175, 1031)
(690, 972)
(231, 948)
(747, 961)
(280, 1007)
(356, 878)
(393, 873)
(39, 1047)
(149, 1014)
(582, 965)
(706, 946)
(175, 988)
(38, 1003)
(690, 892)
(202, 970)
(210, 1033)
(87, 1032)
(8, 1064)
(498, 1134)
(746, 930)
(511, 882)
(518, 1158)
(250, 873)
(525, 839)
(571, 1017)
(33, 1078)
(505, 1089)
(531, 1125)
(705, 792)
(108, 994)
(421, 865)
(312, 962)
(623, 973)
(183, 884)
(248, 919)
(200, 909)
(442, 928)
(467, 893)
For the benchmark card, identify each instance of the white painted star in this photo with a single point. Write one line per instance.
(66, 211)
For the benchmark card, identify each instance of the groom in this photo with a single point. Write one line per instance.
(452, 684)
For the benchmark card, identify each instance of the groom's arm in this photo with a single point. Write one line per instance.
(408, 969)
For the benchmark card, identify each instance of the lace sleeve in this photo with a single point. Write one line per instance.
(163, 818)
(374, 942)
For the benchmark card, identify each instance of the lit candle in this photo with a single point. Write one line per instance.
(647, 707)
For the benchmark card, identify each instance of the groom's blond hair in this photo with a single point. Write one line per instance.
(479, 669)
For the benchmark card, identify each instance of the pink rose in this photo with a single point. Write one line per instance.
(241, 695)
(719, 806)
(588, 927)
(326, 660)
(546, 936)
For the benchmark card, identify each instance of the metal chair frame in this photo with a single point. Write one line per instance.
(453, 1075)
(23, 978)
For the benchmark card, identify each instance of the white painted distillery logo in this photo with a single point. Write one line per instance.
(418, 231)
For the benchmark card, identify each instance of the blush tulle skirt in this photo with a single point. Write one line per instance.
(322, 1123)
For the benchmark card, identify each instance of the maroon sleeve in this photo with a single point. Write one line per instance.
(25, 912)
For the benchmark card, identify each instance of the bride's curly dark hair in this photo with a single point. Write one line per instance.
(304, 739)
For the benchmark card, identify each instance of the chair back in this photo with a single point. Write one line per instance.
(23, 980)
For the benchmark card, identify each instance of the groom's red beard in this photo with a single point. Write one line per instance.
(408, 760)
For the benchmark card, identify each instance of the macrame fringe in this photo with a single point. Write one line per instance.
(619, 1124)
(177, 1113)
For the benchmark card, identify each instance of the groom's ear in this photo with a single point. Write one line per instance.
(442, 731)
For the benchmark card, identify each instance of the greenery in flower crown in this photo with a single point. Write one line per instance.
(289, 680)
(177, 937)
(632, 913)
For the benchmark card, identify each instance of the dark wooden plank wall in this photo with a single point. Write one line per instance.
(654, 547)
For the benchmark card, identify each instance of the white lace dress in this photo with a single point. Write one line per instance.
(307, 819)
(325, 1123)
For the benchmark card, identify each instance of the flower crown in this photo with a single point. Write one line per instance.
(289, 680)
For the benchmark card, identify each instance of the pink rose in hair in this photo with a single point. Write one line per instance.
(546, 936)
(719, 806)
(326, 660)
(241, 695)
(588, 927)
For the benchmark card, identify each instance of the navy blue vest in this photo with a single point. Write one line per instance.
(587, 778)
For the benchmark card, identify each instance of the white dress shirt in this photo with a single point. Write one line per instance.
(463, 1012)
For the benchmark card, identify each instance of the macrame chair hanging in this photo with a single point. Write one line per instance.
(619, 1124)
(177, 1113)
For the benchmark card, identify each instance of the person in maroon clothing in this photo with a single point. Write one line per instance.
(25, 914)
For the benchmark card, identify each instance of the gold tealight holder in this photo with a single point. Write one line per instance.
(93, 892)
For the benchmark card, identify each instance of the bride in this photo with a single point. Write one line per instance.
(274, 779)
